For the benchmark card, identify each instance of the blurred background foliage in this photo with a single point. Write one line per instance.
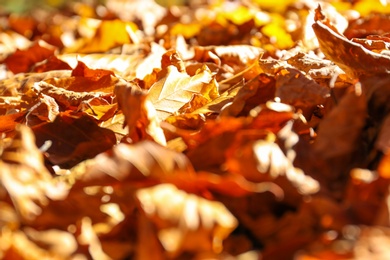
(23, 6)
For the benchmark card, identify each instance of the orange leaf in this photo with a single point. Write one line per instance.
(23, 60)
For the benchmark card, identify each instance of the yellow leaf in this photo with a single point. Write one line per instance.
(186, 30)
(239, 15)
(274, 5)
(282, 39)
(110, 34)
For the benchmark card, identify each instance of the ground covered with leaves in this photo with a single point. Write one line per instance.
(195, 130)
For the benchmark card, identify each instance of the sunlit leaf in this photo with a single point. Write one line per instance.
(124, 163)
(24, 176)
(188, 223)
(175, 89)
(140, 115)
(108, 35)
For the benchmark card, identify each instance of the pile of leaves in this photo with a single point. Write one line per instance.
(195, 130)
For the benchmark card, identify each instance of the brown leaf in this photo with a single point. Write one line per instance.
(73, 140)
(140, 115)
(51, 63)
(372, 24)
(71, 99)
(126, 163)
(257, 91)
(340, 132)
(294, 88)
(351, 57)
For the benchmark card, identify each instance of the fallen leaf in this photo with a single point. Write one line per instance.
(23, 60)
(351, 57)
(24, 176)
(175, 89)
(140, 115)
(73, 140)
(190, 223)
(108, 35)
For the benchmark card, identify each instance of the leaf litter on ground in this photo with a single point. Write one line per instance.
(195, 130)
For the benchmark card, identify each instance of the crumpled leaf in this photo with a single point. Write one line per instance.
(293, 88)
(234, 55)
(255, 92)
(351, 57)
(68, 98)
(189, 223)
(84, 79)
(262, 159)
(314, 66)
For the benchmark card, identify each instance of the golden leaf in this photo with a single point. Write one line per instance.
(186, 222)
(175, 89)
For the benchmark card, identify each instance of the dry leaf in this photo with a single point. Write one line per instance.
(24, 176)
(189, 223)
(351, 57)
(174, 89)
(73, 140)
(140, 115)
(23, 60)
